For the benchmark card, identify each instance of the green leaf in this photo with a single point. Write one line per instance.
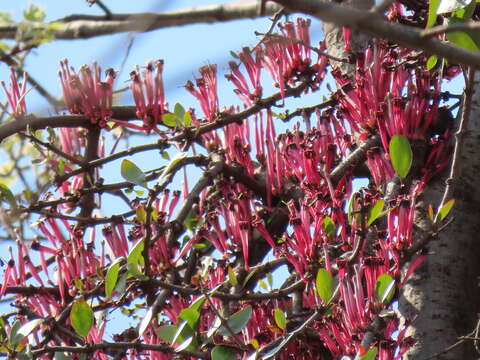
(28, 327)
(447, 6)
(329, 226)
(145, 321)
(167, 332)
(81, 317)
(237, 321)
(280, 318)
(221, 352)
(431, 62)
(270, 279)
(187, 343)
(463, 40)
(187, 119)
(351, 206)
(165, 155)
(232, 278)
(432, 12)
(184, 331)
(198, 303)
(370, 354)
(385, 288)
(324, 284)
(192, 221)
(111, 277)
(135, 259)
(135, 256)
(375, 211)
(445, 210)
(34, 13)
(401, 155)
(132, 173)
(179, 112)
(170, 120)
(191, 316)
(173, 163)
(7, 195)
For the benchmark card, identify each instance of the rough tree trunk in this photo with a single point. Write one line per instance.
(444, 294)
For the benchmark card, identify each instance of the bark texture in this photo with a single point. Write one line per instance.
(335, 41)
(443, 294)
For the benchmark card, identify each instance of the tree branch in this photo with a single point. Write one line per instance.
(88, 26)
(377, 25)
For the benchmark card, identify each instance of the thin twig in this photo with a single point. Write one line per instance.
(456, 161)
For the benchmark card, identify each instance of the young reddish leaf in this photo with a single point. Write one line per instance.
(220, 352)
(81, 317)
(236, 322)
(385, 288)
(401, 155)
(280, 318)
(430, 212)
(132, 173)
(324, 284)
(445, 210)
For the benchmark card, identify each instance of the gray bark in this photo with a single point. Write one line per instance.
(443, 294)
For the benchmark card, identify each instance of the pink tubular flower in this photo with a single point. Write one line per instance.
(149, 94)
(206, 94)
(85, 93)
(16, 94)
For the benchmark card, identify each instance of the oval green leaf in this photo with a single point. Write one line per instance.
(191, 316)
(132, 173)
(431, 62)
(179, 111)
(81, 317)
(445, 210)
(400, 155)
(329, 226)
(167, 332)
(462, 39)
(375, 211)
(280, 318)
(170, 120)
(221, 352)
(324, 284)
(385, 288)
(111, 277)
(432, 12)
(236, 322)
